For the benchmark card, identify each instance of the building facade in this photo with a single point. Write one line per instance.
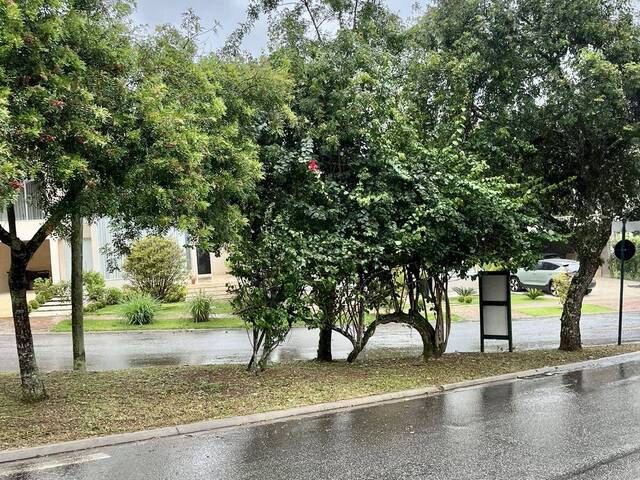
(53, 258)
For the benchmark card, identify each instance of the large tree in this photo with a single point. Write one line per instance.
(105, 126)
(584, 126)
(552, 92)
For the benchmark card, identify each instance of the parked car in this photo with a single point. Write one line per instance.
(541, 275)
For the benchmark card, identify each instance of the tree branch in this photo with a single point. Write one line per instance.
(54, 220)
(5, 237)
(313, 19)
(355, 15)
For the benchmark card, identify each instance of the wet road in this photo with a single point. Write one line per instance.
(114, 351)
(577, 425)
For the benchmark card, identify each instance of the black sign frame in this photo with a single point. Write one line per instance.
(507, 304)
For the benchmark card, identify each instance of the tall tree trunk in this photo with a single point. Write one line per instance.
(324, 343)
(77, 320)
(589, 256)
(32, 386)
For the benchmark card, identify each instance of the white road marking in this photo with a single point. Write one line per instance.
(63, 462)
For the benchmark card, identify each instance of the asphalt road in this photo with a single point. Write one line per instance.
(114, 351)
(577, 425)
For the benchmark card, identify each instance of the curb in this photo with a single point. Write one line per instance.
(307, 411)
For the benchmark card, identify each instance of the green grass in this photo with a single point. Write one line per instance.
(115, 325)
(557, 311)
(166, 310)
(171, 316)
(102, 403)
(516, 299)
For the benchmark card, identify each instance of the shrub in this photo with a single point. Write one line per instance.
(468, 299)
(155, 265)
(128, 292)
(94, 306)
(561, 284)
(140, 309)
(44, 286)
(94, 284)
(113, 296)
(534, 293)
(200, 307)
(43, 297)
(177, 293)
(62, 290)
(465, 291)
(33, 305)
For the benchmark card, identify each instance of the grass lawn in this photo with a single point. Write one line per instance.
(85, 405)
(114, 325)
(166, 309)
(557, 311)
(516, 299)
(546, 306)
(171, 316)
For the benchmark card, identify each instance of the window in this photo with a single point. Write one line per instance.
(26, 205)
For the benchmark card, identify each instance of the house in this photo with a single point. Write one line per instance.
(53, 258)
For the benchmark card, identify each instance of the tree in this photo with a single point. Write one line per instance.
(344, 93)
(105, 127)
(558, 111)
(60, 64)
(585, 127)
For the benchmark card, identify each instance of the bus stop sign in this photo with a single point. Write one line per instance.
(626, 248)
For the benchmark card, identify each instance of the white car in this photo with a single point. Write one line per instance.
(542, 274)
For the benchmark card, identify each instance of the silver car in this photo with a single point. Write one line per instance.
(541, 275)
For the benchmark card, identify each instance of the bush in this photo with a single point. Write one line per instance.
(468, 299)
(94, 306)
(561, 284)
(534, 293)
(177, 293)
(34, 305)
(43, 297)
(155, 265)
(94, 284)
(43, 286)
(113, 296)
(128, 292)
(465, 291)
(62, 290)
(140, 310)
(200, 307)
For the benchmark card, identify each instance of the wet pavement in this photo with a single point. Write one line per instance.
(577, 425)
(114, 351)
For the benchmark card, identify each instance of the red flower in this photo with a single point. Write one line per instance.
(313, 165)
(45, 137)
(15, 184)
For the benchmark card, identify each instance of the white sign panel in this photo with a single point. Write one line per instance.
(496, 320)
(495, 288)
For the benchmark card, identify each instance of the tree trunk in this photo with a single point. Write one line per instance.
(32, 386)
(77, 320)
(589, 257)
(324, 344)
